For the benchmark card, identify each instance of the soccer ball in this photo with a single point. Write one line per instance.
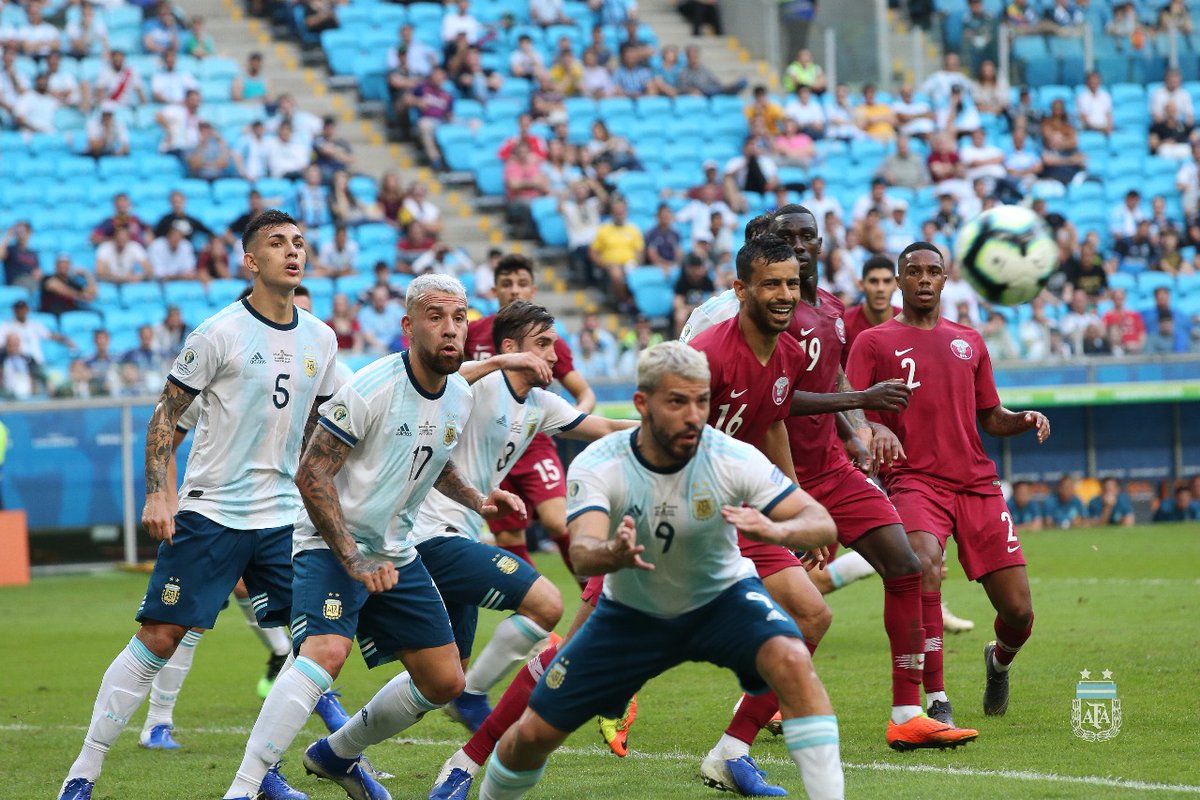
(1007, 254)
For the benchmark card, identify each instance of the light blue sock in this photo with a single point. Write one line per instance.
(502, 783)
(812, 742)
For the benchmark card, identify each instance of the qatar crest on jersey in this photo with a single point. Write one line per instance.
(840, 328)
(779, 391)
(962, 349)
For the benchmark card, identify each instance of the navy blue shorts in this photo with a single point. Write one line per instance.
(409, 616)
(619, 648)
(471, 575)
(194, 575)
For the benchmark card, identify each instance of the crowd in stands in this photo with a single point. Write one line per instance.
(1073, 503)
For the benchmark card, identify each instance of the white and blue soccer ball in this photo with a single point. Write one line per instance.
(1007, 254)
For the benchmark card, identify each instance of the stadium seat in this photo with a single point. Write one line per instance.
(655, 300)
(10, 295)
(78, 325)
(179, 293)
(1147, 282)
(134, 294)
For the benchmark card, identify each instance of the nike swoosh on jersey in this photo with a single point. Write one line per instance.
(806, 332)
(738, 394)
(1014, 548)
(902, 352)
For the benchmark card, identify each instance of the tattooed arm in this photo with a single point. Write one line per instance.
(855, 416)
(310, 424)
(322, 460)
(454, 485)
(157, 515)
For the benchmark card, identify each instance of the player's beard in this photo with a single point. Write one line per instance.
(763, 319)
(669, 442)
(440, 363)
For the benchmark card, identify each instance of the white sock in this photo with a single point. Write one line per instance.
(511, 641)
(274, 639)
(812, 742)
(169, 680)
(847, 568)
(284, 712)
(395, 707)
(902, 714)
(122, 690)
(933, 697)
(502, 783)
(998, 666)
(463, 761)
(728, 747)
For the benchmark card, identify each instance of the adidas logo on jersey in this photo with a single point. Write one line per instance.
(502, 421)
(257, 359)
(403, 430)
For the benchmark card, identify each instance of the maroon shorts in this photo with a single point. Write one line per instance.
(856, 504)
(768, 558)
(980, 523)
(536, 477)
(591, 592)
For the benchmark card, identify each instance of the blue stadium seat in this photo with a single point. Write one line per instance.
(1113, 69)
(1188, 285)
(1147, 282)
(1041, 70)
(375, 233)
(690, 105)
(1123, 280)
(653, 107)
(655, 300)
(180, 293)
(10, 295)
(78, 325)
(136, 294)
(224, 291)
(552, 230)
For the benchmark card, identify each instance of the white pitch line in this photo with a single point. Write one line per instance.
(679, 755)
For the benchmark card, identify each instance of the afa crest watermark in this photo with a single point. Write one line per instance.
(1096, 710)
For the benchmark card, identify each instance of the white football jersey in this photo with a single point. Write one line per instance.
(677, 513)
(712, 311)
(494, 439)
(401, 438)
(255, 381)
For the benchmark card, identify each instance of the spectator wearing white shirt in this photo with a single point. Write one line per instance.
(13, 83)
(106, 133)
(444, 260)
(412, 56)
(285, 154)
(980, 159)
(122, 260)
(1172, 91)
(65, 86)
(119, 82)
(172, 257)
(37, 37)
(1094, 105)
(35, 110)
(306, 126)
(170, 84)
(1022, 163)
(752, 171)
(525, 61)
(898, 232)
(379, 321)
(956, 293)
(458, 20)
(581, 213)
(250, 152)
(914, 117)
(338, 256)
(180, 124)
(1124, 218)
(87, 35)
(807, 112)
(939, 85)
(876, 199)
(20, 375)
(417, 206)
(549, 12)
(698, 213)
(31, 332)
(1187, 181)
(161, 32)
(839, 116)
(821, 203)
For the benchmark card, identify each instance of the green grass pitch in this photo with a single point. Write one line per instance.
(1119, 600)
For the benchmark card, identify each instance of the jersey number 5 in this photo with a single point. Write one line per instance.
(281, 396)
(731, 425)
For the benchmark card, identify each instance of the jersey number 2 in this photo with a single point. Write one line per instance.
(911, 366)
(281, 396)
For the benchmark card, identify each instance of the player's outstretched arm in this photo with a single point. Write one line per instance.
(776, 447)
(889, 395)
(322, 460)
(455, 485)
(593, 553)
(580, 389)
(537, 367)
(595, 426)
(157, 515)
(999, 421)
(797, 522)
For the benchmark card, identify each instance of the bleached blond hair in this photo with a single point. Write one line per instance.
(670, 358)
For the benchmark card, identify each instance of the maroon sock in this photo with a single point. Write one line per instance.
(512, 704)
(902, 620)
(563, 543)
(931, 621)
(1009, 640)
(521, 551)
(754, 713)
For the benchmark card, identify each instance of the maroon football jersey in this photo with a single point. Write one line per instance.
(479, 346)
(950, 375)
(748, 396)
(816, 447)
(856, 323)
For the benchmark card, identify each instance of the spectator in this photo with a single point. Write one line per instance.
(1175, 15)
(804, 72)
(938, 86)
(1160, 222)
(560, 173)
(344, 206)
(549, 12)
(390, 198)
(251, 85)
(904, 167)
(794, 147)
(1021, 16)
(959, 115)
(633, 342)
(180, 124)
(312, 199)
(64, 86)
(990, 92)
(525, 61)
(31, 333)
(1129, 322)
(320, 15)
(875, 117)
(807, 112)
(695, 78)
(13, 82)
(596, 81)
(179, 213)
(567, 71)
(213, 261)
(169, 334)
(1163, 307)
(634, 79)
(913, 116)
(537, 145)
(1022, 164)
(250, 152)
(444, 259)
(1182, 509)
(122, 217)
(617, 248)
(211, 158)
(693, 286)
(1170, 258)
(86, 35)
(338, 256)
(379, 322)
(345, 325)
(121, 259)
(197, 42)
(20, 376)
(459, 21)
(161, 32)
(79, 382)
(766, 110)
(149, 361)
(169, 85)
(1172, 91)
(102, 364)
(305, 126)
(1061, 161)
(37, 38)
(593, 361)
(472, 79)
(1034, 333)
(1162, 336)
(1079, 319)
(1094, 104)
(700, 13)
(66, 288)
(21, 266)
(752, 171)
(1064, 17)
(616, 150)
(664, 246)
(416, 239)
(119, 82)
(35, 110)
(946, 219)
(233, 233)
(382, 281)
(1086, 272)
(524, 182)
(898, 233)
(957, 293)
(172, 256)
(717, 241)
(876, 199)
(1139, 252)
(613, 12)
(698, 213)
(581, 212)
(999, 341)
(286, 155)
(106, 132)
(1058, 121)
(945, 168)
(1027, 511)
(331, 152)
(1170, 137)
(820, 203)
(1064, 509)
(435, 105)
(981, 159)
